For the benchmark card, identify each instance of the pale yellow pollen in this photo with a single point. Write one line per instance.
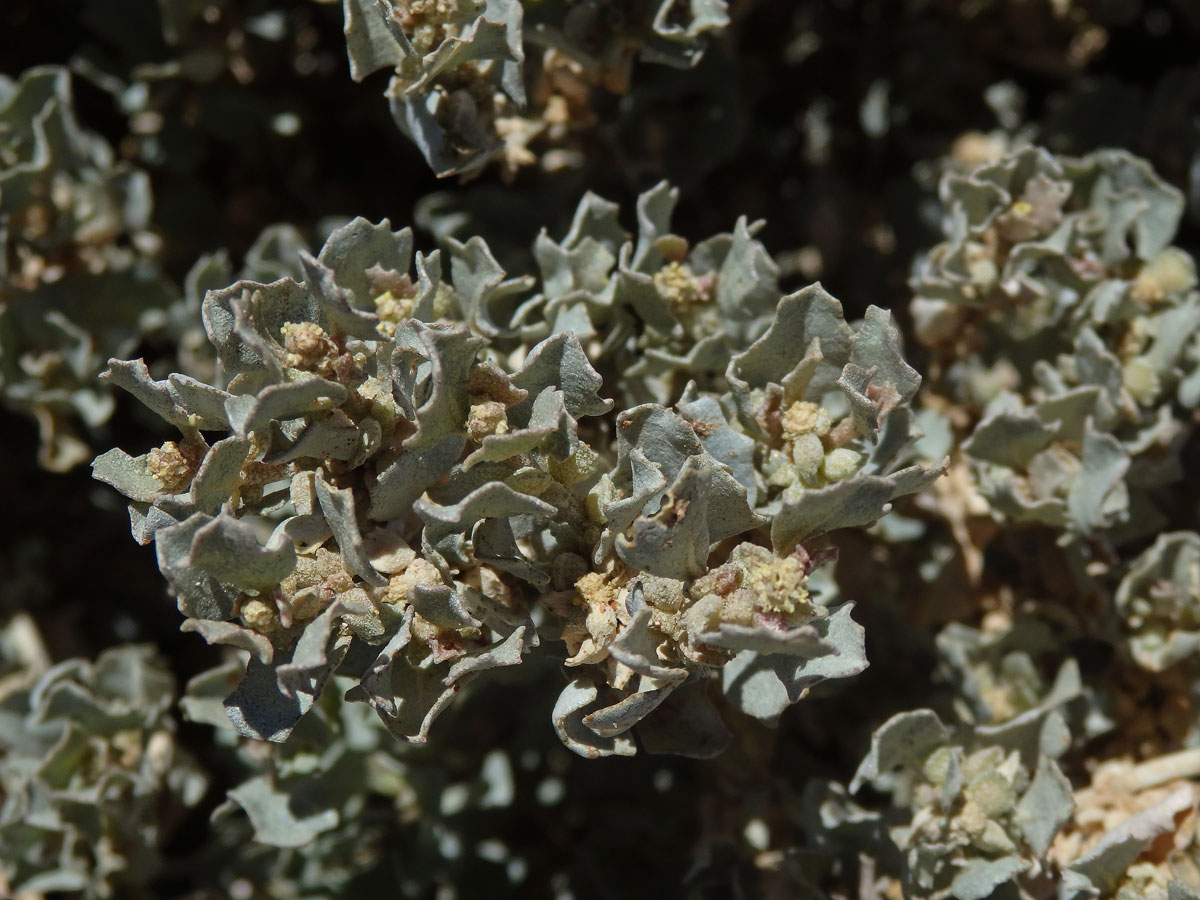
(679, 286)
(260, 616)
(392, 310)
(168, 464)
(307, 345)
(488, 417)
(803, 417)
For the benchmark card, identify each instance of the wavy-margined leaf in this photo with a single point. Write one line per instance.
(979, 878)
(637, 647)
(278, 816)
(451, 353)
(652, 435)
(358, 249)
(1099, 871)
(1010, 438)
(574, 703)
(344, 318)
(243, 349)
(406, 478)
(1046, 806)
(441, 605)
(339, 509)
(1104, 463)
(686, 723)
(560, 362)
(128, 474)
(725, 445)
(674, 542)
(199, 593)
(408, 690)
(621, 716)
(1158, 599)
(807, 315)
(854, 502)
(228, 549)
(232, 635)
(219, 474)
(903, 739)
(876, 345)
(251, 412)
(259, 708)
(549, 425)
(492, 500)
(766, 676)
(174, 400)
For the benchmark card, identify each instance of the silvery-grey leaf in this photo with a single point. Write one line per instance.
(726, 446)
(332, 435)
(854, 383)
(274, 305)
(1104, 464)
(902, 740)
(372, 45)
(451, 353)
(548, 418)
(441, 605)
(1103, 866)
(219, 474)
(508, 652)
(808, 314)
(228, 549)
(234, 635)
(278, 816)
(856, 501)
(480, 40)
(128, 474)
(646, 484)
(575, 701)
(476, 276)
(406, 478)
(617, 719)
(747, 280)
(654, 209)
(318, 651)
(763, 684)
(338, 507)
(1010, 439)
(674, 542)
(876, 345)
(979, 878)
(1045, 807)
(560, 362)
(357, 247)
(134, 377)
(803, 640)
(260, 709)
(344, 319)
(636, 646)
(200, 594)
(649, 434)
(915, 479)
(1162, 578)
(203, 701)
(492, 500)
(251, 412)
(1069, 412)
